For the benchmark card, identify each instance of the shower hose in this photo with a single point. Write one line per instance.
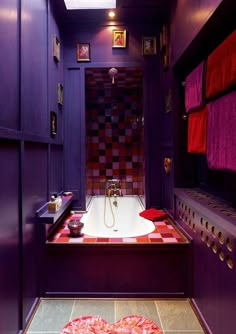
(113, 217)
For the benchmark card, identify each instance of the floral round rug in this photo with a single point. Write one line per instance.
(133, 324)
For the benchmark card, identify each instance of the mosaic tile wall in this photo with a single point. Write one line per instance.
(114, 127)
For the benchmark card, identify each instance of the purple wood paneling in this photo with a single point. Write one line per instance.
(100, 39)
(196, 27)
(28, 50)
(9, 69)
(56, 169)
(118, 273)
(188, 19)
(34, 67)
(9, 238)
(74, 137)
(166, 119)
(34, 190)
(55, 74)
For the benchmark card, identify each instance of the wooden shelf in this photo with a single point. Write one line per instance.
(51, 218)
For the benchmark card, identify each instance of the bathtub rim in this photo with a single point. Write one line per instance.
(150, 225)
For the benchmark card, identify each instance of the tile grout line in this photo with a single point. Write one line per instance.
(70, 318)
(115, 311)
(158, 313)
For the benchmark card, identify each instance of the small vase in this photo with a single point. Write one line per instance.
(75, 228)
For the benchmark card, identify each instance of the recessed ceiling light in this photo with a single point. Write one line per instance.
(91, 4)
(111, 14)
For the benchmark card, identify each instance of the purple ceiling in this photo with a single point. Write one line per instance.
(140, 11)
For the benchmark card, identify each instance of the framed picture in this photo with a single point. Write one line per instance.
(53, 123)
(83, 52)
(163, 37)
(60, 93)
(164, 47)
(119, 38)
(149, 45)
(168, 101)
(56, 48)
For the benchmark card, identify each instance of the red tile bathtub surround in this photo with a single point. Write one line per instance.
(164, 232)
(114, 130)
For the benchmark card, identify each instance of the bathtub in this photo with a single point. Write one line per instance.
(110, 217)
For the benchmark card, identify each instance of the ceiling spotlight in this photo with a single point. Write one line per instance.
(111, 14)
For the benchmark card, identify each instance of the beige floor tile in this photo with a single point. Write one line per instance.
(173, 316)
(51, 316)
(102, 308)
(144, 308)
(177, 316)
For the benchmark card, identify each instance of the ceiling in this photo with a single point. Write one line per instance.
(139, 11)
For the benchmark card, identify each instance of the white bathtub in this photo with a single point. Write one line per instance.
(124, 222)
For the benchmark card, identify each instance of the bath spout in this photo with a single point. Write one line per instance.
(113, 188)
(114, 192)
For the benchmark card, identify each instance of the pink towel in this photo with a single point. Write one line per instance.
(197, 131)
(153, 214)
(193, 88)
(221, 133)
(221, 67)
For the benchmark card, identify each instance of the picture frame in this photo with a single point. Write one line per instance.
(149, 45)
(83, 52)
(56, 48)
(164, 47)
(163, 37)
(60, 94)
(53, 123)
(119, 38)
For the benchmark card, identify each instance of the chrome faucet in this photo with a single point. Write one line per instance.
(113, 188)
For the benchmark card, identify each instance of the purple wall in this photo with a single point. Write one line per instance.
(9, 237)
(31, 160)
(188, 19)
(9, 71)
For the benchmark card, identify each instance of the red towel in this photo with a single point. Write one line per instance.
(221, 67)
(197, 131)
(153, 214)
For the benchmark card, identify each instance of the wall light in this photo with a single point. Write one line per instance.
(91, 4)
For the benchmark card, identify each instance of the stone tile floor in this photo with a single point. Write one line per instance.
(173, 316)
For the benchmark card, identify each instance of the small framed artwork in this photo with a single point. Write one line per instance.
(60, 93)
(119, 38)
(168, 101)
(53, 123)
(149, 46)
(83, 52)
(164, 47)
(56, 48)
(163, 37)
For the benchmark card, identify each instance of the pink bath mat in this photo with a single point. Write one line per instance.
(133, 324)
